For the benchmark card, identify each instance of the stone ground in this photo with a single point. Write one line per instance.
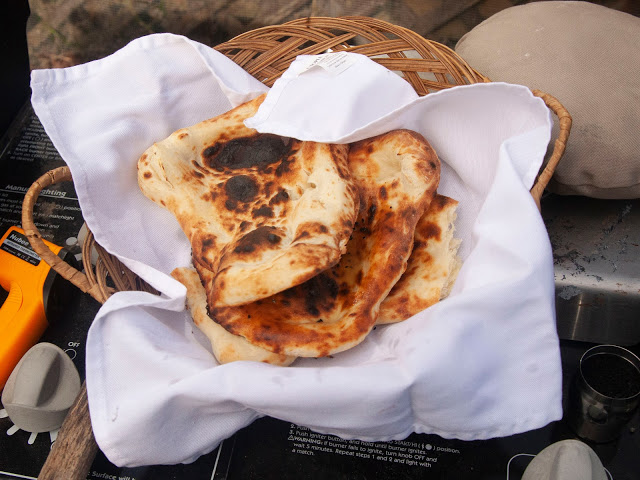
(67, 32)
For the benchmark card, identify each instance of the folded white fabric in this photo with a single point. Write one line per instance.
(379, 91)
(482, 363)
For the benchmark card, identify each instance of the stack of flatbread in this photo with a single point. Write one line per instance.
(300, 248)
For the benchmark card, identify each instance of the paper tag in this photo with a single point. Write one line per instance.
(333, 63)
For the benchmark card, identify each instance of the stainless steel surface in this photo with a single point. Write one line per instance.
(596, 250)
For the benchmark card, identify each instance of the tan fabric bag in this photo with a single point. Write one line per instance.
(587, 56)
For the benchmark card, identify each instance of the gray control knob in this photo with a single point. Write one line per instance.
(566, 460)
(41, 389)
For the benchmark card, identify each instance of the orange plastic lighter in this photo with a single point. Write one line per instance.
(29, 283)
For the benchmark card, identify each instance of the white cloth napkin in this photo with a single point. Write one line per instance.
(482, 363)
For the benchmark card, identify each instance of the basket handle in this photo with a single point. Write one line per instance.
(74, 450)
(559, 146)
(65, 270)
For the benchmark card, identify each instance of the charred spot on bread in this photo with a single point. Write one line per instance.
(241, 188)
(281, 197)
(320, 294)
(430, 230)
(372, 213)
(261, 237)
(263, 211)
(258, 150)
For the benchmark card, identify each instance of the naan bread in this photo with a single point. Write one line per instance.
(262, 213)
(397, 175)
(226, 346)
(433, 264)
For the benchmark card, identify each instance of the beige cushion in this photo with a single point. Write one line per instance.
(588, 57)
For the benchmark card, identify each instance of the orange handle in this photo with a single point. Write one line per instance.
(12, 304)
(22, 323)
(22, 315)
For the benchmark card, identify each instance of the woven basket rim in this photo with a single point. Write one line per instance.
(266, 51)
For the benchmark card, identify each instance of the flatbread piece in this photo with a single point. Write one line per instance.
(433, 264)
(262, 213)
(397, 174)
(226, 346)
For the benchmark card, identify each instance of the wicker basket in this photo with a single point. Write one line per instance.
(265, 53)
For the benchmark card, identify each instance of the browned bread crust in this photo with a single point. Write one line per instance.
(262, 213)
(397, 174)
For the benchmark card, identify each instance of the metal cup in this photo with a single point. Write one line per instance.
(605, 393)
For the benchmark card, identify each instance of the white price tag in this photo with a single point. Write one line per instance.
(333, 63)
